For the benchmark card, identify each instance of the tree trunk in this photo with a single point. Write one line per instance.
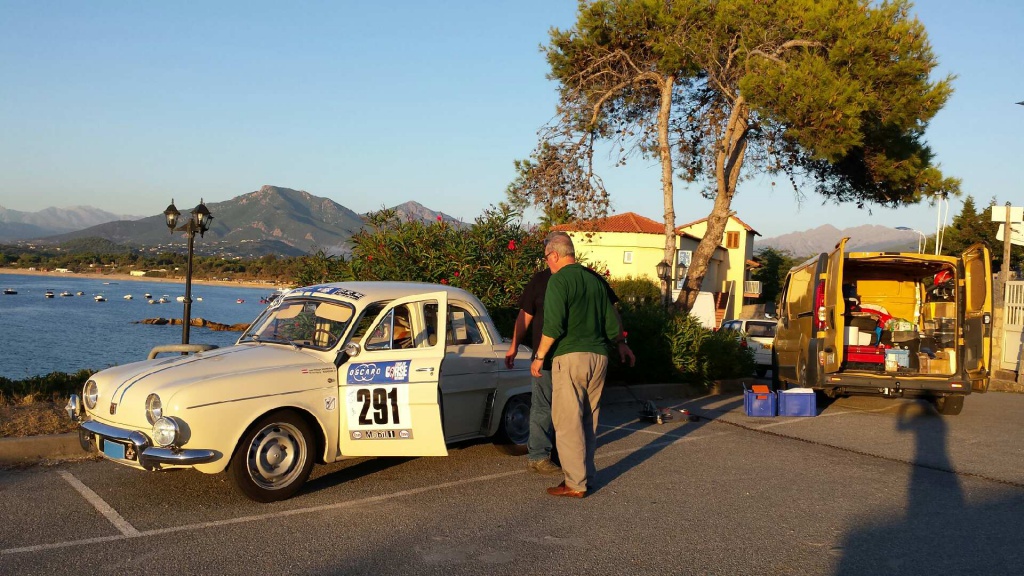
(728, 161)
(667, 189)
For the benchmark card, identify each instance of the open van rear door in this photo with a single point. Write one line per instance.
(835, 309)
(976, 315)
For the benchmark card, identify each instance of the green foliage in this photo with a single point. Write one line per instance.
(973, 227)
(54, 384)
(775, 264)
(639, 290)
(673, 346)
(492, 259)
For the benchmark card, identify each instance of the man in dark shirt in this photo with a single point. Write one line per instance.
(531, 312)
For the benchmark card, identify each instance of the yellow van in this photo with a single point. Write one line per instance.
(887, 323)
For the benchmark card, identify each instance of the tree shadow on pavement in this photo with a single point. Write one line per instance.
(941, 532)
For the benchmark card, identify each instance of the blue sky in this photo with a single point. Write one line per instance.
(123, 106)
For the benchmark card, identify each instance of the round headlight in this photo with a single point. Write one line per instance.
(154, 408)
(165, 432)
(91, 394)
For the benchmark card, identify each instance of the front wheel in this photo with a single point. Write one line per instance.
(515, 420)
(274, 458)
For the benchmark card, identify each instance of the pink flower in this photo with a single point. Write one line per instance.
(456, 273)
(443, 281)
(438, 217)
(369, 257)
(511, 244)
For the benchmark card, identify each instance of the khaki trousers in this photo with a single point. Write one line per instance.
(577, 380)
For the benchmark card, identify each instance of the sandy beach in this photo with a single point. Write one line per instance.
(130, 278)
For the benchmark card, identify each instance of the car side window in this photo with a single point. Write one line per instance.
(462, 327)
(393, 332)
(761, 330)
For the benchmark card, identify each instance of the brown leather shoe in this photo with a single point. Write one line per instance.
(562, 490)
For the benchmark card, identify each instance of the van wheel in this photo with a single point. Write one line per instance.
(949, 405)
(776, 381)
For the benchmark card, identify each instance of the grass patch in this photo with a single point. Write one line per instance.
(35, 406)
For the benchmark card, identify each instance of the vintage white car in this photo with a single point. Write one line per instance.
(325, 372)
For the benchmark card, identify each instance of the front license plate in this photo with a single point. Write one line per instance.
(114, 449)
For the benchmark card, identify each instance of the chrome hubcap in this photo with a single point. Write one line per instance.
(276, 456)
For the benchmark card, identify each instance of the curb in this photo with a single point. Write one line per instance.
(31, 449)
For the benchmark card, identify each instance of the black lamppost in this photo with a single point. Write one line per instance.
(198, 222)
(665, 274)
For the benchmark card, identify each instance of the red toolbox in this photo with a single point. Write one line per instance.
(872, 354)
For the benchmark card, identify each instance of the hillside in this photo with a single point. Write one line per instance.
(866, 238)
(17, 225)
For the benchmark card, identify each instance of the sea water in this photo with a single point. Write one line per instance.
(39, 335)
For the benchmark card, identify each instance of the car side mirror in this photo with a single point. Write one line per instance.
(351, 348)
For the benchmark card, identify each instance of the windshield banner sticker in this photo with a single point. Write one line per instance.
(379, 372)
(333, 290)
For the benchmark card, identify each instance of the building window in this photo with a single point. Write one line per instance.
(627, 257)
(732, 240)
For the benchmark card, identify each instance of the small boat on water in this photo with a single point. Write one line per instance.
(148, 295)
(99, 298)
(164, 299)
(10, 291)
(127, 296)
(180, 298)
(199, 298)
(48, 294)
(151, 301)
(80, 293)
(240, 301)
(65, 294)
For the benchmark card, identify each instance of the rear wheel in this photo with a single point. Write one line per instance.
(949, 405)
(515, 420)
(274, 458)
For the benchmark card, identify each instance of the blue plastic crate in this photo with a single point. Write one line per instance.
(759, 402)
(793, 403)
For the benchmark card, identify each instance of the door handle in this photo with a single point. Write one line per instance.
(488, 360)
(428, 369)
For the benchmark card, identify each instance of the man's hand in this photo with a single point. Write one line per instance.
(625, 353)
(535, 367)
(510, 357)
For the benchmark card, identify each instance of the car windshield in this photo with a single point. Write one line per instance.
(301, 322)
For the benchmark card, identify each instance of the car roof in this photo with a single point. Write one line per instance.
(373, 291)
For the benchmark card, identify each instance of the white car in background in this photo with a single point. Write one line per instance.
(324, 373)
(759, 337)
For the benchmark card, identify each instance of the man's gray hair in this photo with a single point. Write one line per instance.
(560, 243)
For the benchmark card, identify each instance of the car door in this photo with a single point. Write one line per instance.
(470, 373)
(390, 388)
(976, 316)
(834, 309)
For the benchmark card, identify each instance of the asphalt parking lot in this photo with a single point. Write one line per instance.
(869, 486)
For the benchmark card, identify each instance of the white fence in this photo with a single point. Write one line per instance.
(1013, 324)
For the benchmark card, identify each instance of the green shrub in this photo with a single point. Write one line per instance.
(636, 291)
(674, 346)
(54, 384)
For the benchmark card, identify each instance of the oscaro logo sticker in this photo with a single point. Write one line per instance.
(379, 372)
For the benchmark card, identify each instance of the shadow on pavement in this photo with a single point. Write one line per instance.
(941, 532)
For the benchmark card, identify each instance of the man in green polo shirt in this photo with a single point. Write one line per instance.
(580, 325)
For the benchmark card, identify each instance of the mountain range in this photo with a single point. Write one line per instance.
(271, 220)
(16, 225)
(865, 238)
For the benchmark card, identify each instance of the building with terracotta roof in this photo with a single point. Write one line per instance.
(629, 244)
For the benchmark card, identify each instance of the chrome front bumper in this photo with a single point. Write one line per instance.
(140, 448)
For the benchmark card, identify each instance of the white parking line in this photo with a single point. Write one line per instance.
(102, 507)
(128, 531)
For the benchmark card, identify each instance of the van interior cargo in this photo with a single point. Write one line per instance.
(900, 316)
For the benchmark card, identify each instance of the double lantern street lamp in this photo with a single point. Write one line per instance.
(664, 270)
(199, 221)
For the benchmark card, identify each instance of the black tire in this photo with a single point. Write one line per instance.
(949, 405)
(515, 420)
(274, 457)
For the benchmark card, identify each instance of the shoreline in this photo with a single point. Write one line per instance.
(129, 278)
